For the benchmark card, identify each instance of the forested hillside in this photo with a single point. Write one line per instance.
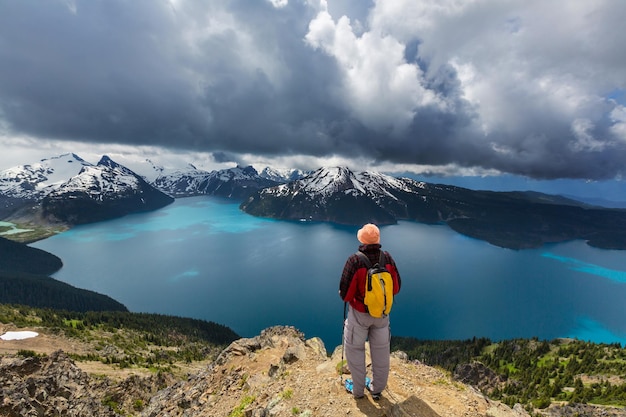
(24, 279)
(18, 257)
(45, 292)
(529, 371)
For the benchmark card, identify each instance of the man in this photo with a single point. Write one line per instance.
(360, 325)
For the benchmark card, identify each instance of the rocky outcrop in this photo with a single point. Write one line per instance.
(478, 375)
(47, 386)
(577, 410)
(279, 373)
(55, 386)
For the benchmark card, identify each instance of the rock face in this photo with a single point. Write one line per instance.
(478, 375)
(45, 387)
(54, 386)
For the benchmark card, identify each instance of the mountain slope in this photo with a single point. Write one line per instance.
(33, 181)
(508, 219)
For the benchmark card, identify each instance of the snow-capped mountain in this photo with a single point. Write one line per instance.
(508, 219)
(181, 182)
(33, 181)
(237, 183)
(325, 182)
(67, 176)
(69, 189)
(282, 175)
(104, 191)
(334, 194)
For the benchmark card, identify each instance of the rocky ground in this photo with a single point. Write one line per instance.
(277, 373)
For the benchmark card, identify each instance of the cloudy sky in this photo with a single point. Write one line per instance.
(526, 87)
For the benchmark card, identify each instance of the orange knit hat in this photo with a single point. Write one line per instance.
(368, 234)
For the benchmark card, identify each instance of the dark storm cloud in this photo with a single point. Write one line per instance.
(484, 85)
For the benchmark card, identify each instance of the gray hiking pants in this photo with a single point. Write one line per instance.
(358, 328)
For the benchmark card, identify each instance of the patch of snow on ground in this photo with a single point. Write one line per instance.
(18, 335)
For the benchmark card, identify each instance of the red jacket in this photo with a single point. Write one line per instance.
(352, 284)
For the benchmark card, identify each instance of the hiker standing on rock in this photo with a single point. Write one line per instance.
(365, 322)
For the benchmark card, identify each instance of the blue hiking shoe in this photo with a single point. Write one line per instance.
(368, 385)
(349, 385)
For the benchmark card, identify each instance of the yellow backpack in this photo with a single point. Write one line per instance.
(378, 287)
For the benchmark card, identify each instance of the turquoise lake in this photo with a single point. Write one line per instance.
(202, 257)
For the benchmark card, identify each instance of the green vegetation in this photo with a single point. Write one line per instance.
(113, 405)
(151, 341)
(444, 353)
(24, 353)
(561, 370)
(239, 410)
(32, 232)
(27, 229)
(532, 372)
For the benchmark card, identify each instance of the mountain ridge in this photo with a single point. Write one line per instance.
(236, 183)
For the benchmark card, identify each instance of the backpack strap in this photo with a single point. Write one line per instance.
(382, 262)
(364, 258)
(368, 265)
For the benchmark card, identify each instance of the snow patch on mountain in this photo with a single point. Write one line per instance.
(34, 181)
(146, 168)
(181, 182)
(235, 182)
(282, 175)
